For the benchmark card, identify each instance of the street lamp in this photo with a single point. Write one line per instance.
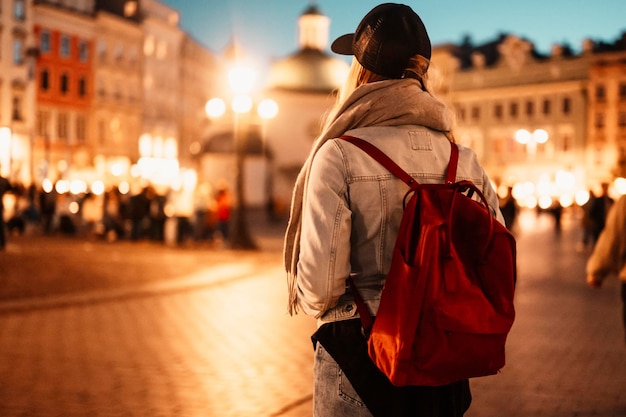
(6, 150)
(241, 81)
(531, 139)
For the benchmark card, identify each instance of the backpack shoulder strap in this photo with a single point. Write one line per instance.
(394, 168)
(454, 161)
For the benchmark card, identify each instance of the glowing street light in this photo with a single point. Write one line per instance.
(531, 139)
(6, 150)
(241, 81)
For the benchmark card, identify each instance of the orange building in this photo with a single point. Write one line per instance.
(64, 91)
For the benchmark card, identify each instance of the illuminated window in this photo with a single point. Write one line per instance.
(148, 46)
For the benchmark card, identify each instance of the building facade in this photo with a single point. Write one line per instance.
(525, 114)
(64, 87)
(606, 145)
(17, 94)
(116, 114)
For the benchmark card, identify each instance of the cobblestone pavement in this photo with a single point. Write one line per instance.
(144, 330)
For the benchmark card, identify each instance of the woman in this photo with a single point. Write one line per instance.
(346, 208)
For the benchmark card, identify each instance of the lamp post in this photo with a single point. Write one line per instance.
(241, 81)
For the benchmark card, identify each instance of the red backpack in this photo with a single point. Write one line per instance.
(447, 304)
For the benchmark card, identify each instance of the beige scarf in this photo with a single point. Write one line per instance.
(383, 103)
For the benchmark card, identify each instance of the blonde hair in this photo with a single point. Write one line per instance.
(418, 68)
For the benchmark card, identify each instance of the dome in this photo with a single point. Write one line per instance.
(308, 70)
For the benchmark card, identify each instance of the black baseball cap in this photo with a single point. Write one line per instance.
(387, 37)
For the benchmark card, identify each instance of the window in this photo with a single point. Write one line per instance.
(460, 112)
(600, 93)
(62, 126)
(64, 50)
(567, 105)
(43, 118)
(622, 119)
(599, 120)
(513, 110)
(82, 87)
(475, 113)
(102, 50)
(622, 91)
(17, 109)
(497, 111)
(44, 41)
(530, 108)
(547, 107)
(44, 80)
(19, 10)
(18, 54)
(83, 51)
(80, 129)
(566, 143)
(65, 83)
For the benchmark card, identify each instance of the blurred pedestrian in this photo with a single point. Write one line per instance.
(609, 254)
(139, 209)
(509, 208)
(5, 186)
(48, 207)
(598, 211)
(556, 210)
(345, 215)
(157, 215)
(223, 207)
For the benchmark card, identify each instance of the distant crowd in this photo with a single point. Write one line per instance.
(145, 215)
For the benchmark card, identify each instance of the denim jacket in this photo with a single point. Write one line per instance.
(353, 210)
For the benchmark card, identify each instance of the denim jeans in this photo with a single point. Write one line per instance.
(333, 394)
